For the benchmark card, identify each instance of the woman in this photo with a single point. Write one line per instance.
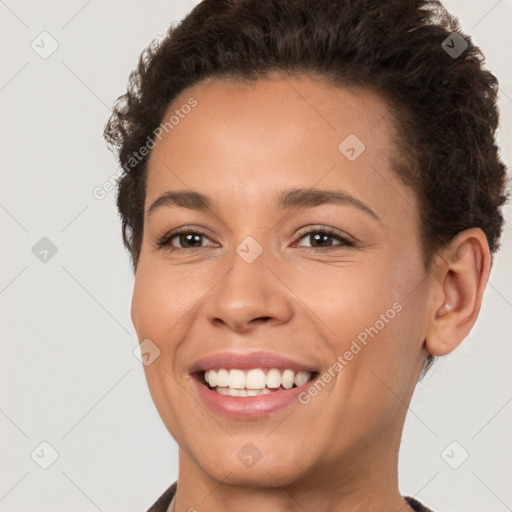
(311, 197)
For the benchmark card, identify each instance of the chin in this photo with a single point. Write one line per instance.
(241, 463)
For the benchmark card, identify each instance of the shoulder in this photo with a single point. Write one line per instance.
(162, 503)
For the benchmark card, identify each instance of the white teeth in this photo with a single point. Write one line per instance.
(273, 378)
(301, 378)
(254, 392)
(222, 378)
(242, 392)
(236, 379)
(287, 379)
(255, 379)
(212, 378)
(253, 382)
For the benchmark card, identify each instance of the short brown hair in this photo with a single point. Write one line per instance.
(443, 106)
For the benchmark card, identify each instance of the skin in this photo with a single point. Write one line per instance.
(241, 145)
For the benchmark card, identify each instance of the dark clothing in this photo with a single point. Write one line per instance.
(162, 503)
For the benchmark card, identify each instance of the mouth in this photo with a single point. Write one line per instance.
(251, 385)
(252, 382)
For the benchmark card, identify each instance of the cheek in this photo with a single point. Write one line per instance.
(160, 302)
(347, 301)
(369, 318)
(375, 349)
(159, 314)
(385, 332)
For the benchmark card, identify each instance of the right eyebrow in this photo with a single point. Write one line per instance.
(183, 198)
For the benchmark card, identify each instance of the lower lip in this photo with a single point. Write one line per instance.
(250, 406)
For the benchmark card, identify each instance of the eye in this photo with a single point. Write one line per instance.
(186, 238)
(322, 239)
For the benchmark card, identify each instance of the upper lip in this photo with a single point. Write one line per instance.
(247, 360)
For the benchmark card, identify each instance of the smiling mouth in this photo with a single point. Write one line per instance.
(253, 382)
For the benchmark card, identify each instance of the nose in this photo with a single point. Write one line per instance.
(249, 294)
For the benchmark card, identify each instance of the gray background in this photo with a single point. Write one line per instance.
(68, 375)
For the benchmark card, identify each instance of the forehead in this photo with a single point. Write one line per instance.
(243, 138)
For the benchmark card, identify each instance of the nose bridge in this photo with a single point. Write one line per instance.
(249, 291)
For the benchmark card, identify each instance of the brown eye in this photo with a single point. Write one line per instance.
(323, 239)
(182, 240)
(194, 239)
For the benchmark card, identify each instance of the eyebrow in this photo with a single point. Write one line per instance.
(295, 198)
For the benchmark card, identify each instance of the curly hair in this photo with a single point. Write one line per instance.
(443, 105)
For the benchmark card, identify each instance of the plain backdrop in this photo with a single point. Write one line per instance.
(68, 375)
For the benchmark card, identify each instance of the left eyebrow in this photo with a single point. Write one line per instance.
(309, 198)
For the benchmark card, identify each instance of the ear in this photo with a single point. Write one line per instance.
(459, 278)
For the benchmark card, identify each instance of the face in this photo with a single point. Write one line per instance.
(326, 288)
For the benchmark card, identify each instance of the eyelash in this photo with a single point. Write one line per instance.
(165, 241)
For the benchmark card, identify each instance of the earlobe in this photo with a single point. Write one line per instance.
(458, 284)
